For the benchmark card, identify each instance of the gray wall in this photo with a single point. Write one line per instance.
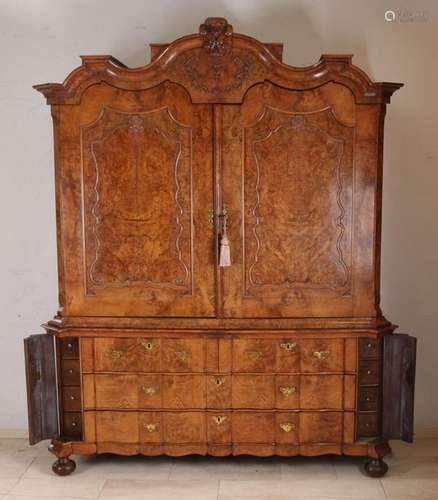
(41, 41)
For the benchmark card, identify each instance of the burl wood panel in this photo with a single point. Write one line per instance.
(126, 355)
(139, 163)
(322, 427)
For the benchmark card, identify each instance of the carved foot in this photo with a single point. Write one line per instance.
(64, 466)
(376, 467)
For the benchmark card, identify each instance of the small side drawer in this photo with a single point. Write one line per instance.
(69, 348)
(71, 397)
(367, 425)
(369, 371)
(368, 348)
(70, 372)
(72, 425)
(368, 398)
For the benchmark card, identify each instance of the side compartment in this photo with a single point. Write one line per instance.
(42, 400)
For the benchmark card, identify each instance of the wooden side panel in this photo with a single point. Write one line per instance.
(399, 357)
(41, 387)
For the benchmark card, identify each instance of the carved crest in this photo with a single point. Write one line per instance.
(216, 33)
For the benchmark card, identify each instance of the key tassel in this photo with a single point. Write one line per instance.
(224, 253)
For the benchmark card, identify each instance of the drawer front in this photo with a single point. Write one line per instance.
(117, 427)
(368, 398)
(128, 355)
(287, 428)
(287, 391)
(125, 391)
(369, 371)
(321, 427)
(288, 355)
(322, 355)
(183, 355)
(253, 355)
(70, 369)
(69, 348)
(72, 425)
(184, 427)
(71, 399)
(248, 428)
(219, 427)
(319, 392)
(367, 424)
(253, 391)
(369, 348)
(150, 427)
(218, 389)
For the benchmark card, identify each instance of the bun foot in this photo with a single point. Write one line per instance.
(64, 466)
(375, 467)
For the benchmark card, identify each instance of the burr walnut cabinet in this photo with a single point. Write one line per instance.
(218, 228)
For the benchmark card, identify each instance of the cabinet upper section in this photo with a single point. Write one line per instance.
(217, 66)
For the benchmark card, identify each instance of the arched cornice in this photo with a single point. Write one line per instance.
(217, 66)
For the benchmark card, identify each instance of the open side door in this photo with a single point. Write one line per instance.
(399, 358)
(42, 399)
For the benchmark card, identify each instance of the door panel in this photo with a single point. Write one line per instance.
(41, 383)
(144, 184)
(399, 360)
(287, 178)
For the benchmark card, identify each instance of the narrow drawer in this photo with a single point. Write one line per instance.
(70, 372)
(69, 348)
(368, 348)
(369, 371)
(368, 398)
(367, 424)
(72, 425)
(71, 398)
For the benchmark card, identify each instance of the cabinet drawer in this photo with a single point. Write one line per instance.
(71, 398)
(253, 391)
(321, 355)
(321, 427)
(253, 355)
(125, 391)
(367, 424)
(117, 427)
(248, 428)
(72, 425)
(368, 398)
(184, 427)
(287, 391)
(183, 355)
(128, 355)
(287, 428)
(218, 389)
(368, 348)
(69, 348)
(219, 427)
(319, 392)
(70, 372)
(369, 371)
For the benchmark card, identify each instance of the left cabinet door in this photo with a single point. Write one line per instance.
(41, 383)
(134, 179)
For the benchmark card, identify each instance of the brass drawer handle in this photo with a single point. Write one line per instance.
(288, 346)
(254, 355)
(150, 391)
(287, 427)
(218, 381)
(219, 419)
(321, 354)
(150, 427)
(288, 391)
(182, 355)
(147, 344)
(115, 354)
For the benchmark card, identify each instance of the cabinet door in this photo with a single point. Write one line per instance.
(41, 383)
(136, 188)
(288, 174)
(399, 357)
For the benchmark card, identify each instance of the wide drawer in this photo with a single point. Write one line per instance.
(291, 355)
(222, 427)
(149, 354)
(216, 391)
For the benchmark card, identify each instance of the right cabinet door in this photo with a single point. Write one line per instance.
(297, 168)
